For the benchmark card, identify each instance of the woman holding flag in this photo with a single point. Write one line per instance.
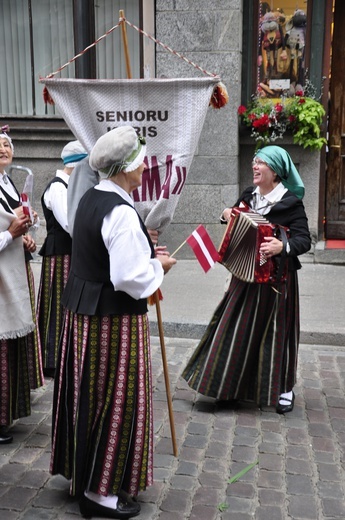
(249, 350)
(20, 366)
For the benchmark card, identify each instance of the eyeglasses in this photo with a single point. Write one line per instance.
(258, 162)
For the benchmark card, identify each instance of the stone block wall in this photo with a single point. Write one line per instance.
(210, 35)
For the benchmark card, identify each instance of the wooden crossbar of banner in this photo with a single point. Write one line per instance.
(156, 294)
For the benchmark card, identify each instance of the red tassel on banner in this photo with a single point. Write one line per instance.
(151, 299)
(48, 100)
(220, 96)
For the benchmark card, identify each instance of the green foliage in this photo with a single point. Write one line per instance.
(223, 506)
(270, 119)
(306, 119)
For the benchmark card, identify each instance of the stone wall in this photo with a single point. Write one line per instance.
(210, 35)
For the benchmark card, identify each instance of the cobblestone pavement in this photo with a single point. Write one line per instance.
(299, 473)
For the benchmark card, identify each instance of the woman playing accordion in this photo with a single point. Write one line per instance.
(250, 347)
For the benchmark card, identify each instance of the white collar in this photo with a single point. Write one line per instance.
(108, 185)
(62, 175)
(4, 178)
(273, 196)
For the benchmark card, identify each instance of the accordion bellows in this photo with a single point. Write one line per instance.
(239, 249)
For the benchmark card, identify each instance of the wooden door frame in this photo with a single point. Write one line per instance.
(326, 64)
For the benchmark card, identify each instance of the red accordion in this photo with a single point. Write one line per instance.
(239, 249)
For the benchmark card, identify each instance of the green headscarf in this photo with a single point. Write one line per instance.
(281, 163)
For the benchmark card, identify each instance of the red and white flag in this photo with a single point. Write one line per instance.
(27, 206)
(203, 248)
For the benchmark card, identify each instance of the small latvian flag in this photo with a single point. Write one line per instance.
(203, 248)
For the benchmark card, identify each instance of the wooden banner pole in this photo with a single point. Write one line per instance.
(156, 294)
(125, 45)
(166, 373)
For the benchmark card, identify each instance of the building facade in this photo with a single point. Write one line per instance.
(225, 37)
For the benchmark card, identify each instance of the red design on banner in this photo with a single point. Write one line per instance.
(203, 248)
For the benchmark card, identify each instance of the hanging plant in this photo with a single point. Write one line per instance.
(270, 119)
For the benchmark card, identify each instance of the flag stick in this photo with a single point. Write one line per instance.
(156, 294)
(179, 247)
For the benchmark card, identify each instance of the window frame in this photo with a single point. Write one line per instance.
(316, 13)
(86, 67)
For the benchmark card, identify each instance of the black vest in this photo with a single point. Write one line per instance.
(89, 289)
(57, 241)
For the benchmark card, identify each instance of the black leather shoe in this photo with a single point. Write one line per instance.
(5, 438)
(285, 408)
(89, 508)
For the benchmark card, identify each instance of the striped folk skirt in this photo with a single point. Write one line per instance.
(14, 380)
(250, 347)
(20, 368)
(102, 437)
(33, 339)
(53, 280)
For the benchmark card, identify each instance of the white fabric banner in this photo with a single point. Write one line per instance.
(169, 113)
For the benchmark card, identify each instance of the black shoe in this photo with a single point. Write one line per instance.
(126, 497)
(49, 372)
(5, 438)
(89, 508)
(285, 408)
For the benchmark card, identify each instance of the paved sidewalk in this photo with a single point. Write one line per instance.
(191, 296)
(300, 472)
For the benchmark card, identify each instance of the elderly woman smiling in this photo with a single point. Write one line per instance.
(16, 310)
(249, 350)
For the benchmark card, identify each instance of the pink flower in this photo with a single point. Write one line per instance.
(278, 108)
(241, 110)
(299, 93)
(301, 101)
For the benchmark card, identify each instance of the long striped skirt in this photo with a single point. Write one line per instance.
(14, 380)
(20, 368)
(249, 349)
(33, 339)
(53, 280)
(102, 438)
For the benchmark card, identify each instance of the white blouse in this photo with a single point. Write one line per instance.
(132, 269)
(55, 198)
(263, 203)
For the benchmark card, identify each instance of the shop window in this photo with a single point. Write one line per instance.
(281, 47)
